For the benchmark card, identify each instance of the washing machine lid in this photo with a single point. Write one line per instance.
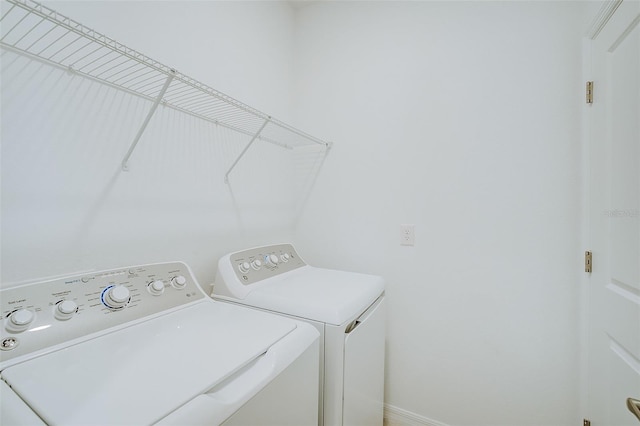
(139, 374)
(318, 294)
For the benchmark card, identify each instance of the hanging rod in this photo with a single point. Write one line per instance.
(41, 33)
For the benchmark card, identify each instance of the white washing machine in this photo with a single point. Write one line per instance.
(346, 308)
(145, 345)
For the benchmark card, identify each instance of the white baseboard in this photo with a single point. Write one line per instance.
(394, 416)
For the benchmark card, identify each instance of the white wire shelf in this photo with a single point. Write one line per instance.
(34, 30)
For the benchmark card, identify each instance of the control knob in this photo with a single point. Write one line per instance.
(20, 320)
(179, 282)
(285, 257)
(65, 310)
(244, 267)
(156, 287)
(271, 259)
(116, 297)
(256, 264)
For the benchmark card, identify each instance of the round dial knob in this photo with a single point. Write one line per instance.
(285, 257)
(244, 267)
(22, 318)
(116, 297)
(179, 282)
(65, 309)
(156, 287)
(256, 264)
(272, 259)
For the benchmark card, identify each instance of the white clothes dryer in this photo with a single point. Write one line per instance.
(145, 345)
(346, 308)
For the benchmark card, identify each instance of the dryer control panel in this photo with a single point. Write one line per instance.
(260, 263)
(45, 314)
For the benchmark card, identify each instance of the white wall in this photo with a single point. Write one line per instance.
(462, 118)
(66, 205)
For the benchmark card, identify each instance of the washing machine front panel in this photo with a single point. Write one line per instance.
(123, 377)
(144, 344)
(41, 316)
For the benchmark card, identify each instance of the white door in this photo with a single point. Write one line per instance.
(614, 219)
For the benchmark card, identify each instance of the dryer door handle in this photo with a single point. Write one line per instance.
(634, 406)
(352, 326)
(363, 317)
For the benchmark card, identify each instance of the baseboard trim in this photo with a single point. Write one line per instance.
(394, 416)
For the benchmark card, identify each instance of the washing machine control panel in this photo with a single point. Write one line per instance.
(259, 263)
(41, 315)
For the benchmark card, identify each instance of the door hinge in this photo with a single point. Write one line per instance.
(589, 92)
(587, 261)
(586, 422)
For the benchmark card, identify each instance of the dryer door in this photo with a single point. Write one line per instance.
(364, 368)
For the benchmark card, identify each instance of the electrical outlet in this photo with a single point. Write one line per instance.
(407, 235)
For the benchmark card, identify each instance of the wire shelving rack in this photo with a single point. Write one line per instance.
(41, 33)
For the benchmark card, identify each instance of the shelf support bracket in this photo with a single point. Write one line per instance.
(125, 161)
(246, 148)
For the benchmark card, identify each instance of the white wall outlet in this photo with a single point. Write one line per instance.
(407, 235)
